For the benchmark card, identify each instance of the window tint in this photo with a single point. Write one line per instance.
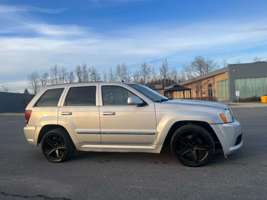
(81, 96)
(149, 93)
(49, 98)
(115, 95)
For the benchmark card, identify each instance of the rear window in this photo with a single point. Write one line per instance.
(49, 98)
(81, 96)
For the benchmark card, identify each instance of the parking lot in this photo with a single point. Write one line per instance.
(25, 174)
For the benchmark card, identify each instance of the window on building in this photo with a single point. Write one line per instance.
(81, 96)
(49, 98)
(222, 90)
(210, 93)
(251, 87)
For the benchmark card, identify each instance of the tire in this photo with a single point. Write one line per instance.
(57, 146)
(193, 145)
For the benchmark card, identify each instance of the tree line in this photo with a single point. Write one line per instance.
(144, 74)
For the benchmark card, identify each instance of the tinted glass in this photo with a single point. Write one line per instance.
(251, 87)
(115, 95)
(81, 96)
(49, 98)
(149, 93)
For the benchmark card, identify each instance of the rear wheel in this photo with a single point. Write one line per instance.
(57, 146)
(193, 145)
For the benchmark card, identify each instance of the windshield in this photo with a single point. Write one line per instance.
(149, 93)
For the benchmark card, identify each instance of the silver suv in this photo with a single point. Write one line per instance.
(122, 117)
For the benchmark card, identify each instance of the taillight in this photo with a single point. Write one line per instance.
(27, 115)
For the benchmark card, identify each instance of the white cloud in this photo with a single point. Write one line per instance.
(23, 8)
(133, 46)
(102, 2)
(18, 20)
(11, 9)
(56, 30)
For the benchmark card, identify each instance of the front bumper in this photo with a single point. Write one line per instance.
(229, 135)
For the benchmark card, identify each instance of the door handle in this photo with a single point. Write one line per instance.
(66, 113)
(109, 113)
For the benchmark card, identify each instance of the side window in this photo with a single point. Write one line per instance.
(81, 96)
(49, 98)
(115, 95)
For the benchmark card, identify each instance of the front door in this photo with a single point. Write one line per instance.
(123, 124)
(81, 114)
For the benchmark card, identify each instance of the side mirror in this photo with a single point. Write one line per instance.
(134, 100)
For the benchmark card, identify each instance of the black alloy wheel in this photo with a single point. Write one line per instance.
(56, 146)
(193, 145)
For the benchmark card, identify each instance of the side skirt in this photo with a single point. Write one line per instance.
(119, 148)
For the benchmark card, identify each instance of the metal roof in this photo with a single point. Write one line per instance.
(214, 73)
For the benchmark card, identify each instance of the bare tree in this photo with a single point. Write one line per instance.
(85, 74)
(174, 75)
(153, 73)
(145, 72)
(62, 75)
(44, 79)
(71, 77)
(111, 76)
(78, 72)
(105, 76)
(54, 72)
(164, 69)
(164, 72)
(34, 79)
(126, 73)
(136, 76)
(93, 74)
(122, 73)
(182, 76)
(118, 72)
(201, 66)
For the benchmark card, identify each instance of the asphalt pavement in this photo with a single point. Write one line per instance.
(25, 174)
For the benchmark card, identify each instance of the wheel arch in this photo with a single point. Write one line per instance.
(50, 127)
(178, 124)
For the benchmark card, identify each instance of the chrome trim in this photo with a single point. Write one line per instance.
(107, 132)
(114, 132)
(88, 131)
(108, 113)
(66, 113)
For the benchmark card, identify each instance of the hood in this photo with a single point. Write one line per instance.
(196, 103)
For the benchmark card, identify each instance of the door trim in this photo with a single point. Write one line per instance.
(87, 131)
(128, 132)
(116, 132)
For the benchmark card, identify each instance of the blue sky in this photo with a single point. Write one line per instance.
(36, 35)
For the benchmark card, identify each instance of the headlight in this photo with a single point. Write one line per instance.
(226, 116)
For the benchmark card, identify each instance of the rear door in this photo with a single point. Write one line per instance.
(80, 113)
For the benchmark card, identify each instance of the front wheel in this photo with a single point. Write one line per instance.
(193, 145)
(57, 146)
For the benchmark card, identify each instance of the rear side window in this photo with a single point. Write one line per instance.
(81, 96)
(49, 98)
